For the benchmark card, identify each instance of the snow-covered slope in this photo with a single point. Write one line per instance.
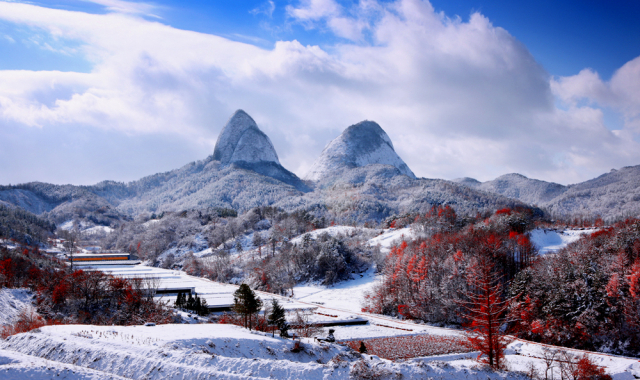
(612, 195)
(517, 186)
(242, 141)
(551, 241)
(214, 351)
(377, 191)
(359, 145)
(12, 302)
(18, 366)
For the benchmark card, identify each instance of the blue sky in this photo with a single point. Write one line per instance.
(109, 89)
(564, 36)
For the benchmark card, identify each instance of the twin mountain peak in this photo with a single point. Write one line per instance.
(242, 143)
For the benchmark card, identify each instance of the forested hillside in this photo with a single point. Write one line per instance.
(612, 196)
(23, 226)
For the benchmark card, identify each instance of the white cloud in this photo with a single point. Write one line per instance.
(314, 9)
(345, 23)
(128, 7)
(458, 98)
(621, 93)
(266, 8)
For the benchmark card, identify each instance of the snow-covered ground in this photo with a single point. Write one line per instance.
(392, 237)
(331, 231)
(230, 352)
(12, 302)
(8, 244)
(212, 351)
(19, 366)
(345, 295)
(97, 230)
(550, 240)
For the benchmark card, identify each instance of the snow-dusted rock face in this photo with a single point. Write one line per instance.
(359, 145)
(242, 141)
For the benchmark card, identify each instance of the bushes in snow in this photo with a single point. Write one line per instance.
(585, 296)
(28, 320)
(81, 296)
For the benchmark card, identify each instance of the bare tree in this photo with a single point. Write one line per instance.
(549, 359)
(70, 243)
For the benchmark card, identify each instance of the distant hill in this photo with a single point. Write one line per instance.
(612, 195)
(22, 226)
(517, 186)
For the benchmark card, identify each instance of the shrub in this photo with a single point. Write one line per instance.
(28, 320)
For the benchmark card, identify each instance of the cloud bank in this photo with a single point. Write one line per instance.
(457, 97)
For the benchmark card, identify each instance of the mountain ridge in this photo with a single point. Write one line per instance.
(358, 177)
(612, 195)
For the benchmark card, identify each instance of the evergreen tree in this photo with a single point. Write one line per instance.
(204, 310)
(179, 301)
(277, 317)
(190, 302)
(246, 303)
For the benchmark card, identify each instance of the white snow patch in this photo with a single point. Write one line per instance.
(551, 241)
(346, 295)
(98, 230)
(392, 237)
(331, 231)
(150, 223)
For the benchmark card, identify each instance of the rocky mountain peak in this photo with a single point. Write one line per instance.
(242, 141)
(362, 144)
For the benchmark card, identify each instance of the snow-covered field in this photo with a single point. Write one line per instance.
(18, 366)
(550, 241)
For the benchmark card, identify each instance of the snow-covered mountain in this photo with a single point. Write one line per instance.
(612, 195)
(517, 186)
(242, 144)
(360, 145)
(376, 191)
(242, 141)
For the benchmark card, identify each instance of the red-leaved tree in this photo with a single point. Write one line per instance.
(586, 369)
(486, 312)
